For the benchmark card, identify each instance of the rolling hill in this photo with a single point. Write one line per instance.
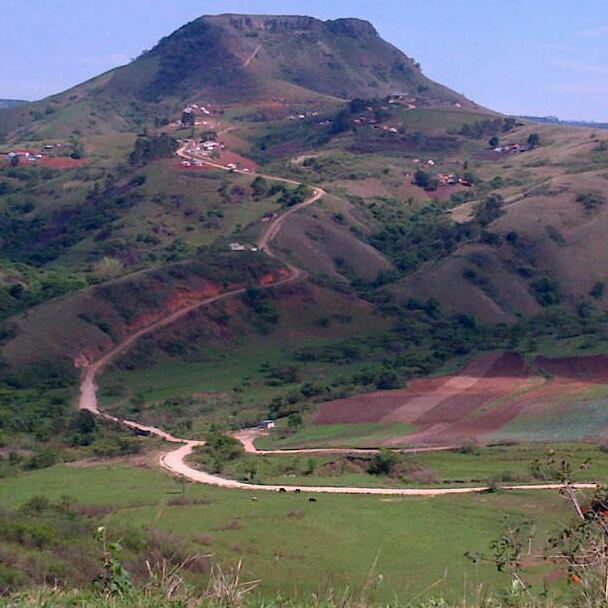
(444, 230)
(9, 103)
(234, 59)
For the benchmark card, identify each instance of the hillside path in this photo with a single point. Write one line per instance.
(252, 56)
(175, 460)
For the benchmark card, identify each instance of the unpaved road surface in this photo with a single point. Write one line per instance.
(248, 436)
(175, 460)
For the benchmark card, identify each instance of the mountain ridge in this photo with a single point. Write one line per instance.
(234, 59)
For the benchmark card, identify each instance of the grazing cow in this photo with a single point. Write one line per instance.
(298, 490)
(282, 490)
(312, 499)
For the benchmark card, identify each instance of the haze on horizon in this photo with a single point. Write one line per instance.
(549, 57)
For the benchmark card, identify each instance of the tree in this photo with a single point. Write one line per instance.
(187, 119)
(494, 141)
(533, 140)
(508, 124)
(16, 290)
(597, 291)
(489, 210)
(259, 186)
(382, 463)
(470, 177)
(342, 122)
(294, 421)
(425, 180)
(387, 380)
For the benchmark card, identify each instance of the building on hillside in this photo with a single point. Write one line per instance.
(237, 247)
(267, 425)
(447, 179)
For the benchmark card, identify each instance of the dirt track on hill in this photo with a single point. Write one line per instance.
(175, 460)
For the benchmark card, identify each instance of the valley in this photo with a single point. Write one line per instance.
(268, 293)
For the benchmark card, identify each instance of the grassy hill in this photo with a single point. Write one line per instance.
(232, 59)
(9, 103)
(455, 256)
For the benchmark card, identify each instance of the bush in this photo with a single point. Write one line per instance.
(591, 200)
(44, 459)
(152, 148)
(489, 210)
(546, 291)
(382, 463)
(219, 448)
(597, 290)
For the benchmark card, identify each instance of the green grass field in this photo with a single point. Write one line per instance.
(426, 119)
(333, 435)
(295, 546)
(233, 369)
(474, 466)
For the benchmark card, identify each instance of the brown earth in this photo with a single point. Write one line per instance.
(593, 368)
(432, 400)
(58, 162)
(480, 399)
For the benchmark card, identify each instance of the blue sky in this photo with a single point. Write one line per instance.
(516, 56)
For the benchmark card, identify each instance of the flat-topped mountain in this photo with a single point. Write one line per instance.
(237, 59)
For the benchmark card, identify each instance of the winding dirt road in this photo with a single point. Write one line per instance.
(175, 460)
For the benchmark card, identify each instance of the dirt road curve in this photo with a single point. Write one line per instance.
(175, 460)
(248, 436)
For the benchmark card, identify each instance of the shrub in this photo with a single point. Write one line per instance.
(597, 291)
(591, 200)
(382, 463)
(546, 291)
(44, 459)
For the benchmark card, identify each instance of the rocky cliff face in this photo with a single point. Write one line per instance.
(293, 24)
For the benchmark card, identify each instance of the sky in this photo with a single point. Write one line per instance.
(538, 57)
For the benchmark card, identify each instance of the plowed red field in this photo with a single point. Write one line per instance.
(479, 399)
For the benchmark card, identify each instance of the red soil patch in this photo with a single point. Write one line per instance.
(441, 407)
(227, 157)
(480, 399)
(593, 368)
(178, 300)
(272, 277)
(59, 162)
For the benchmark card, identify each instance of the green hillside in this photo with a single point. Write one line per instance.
(232, 59)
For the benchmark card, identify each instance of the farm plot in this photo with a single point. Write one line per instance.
(496, 397)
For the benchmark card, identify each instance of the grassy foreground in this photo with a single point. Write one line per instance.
(296, 547)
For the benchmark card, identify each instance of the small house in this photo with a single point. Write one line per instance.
(267, 425)
(237, 247)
